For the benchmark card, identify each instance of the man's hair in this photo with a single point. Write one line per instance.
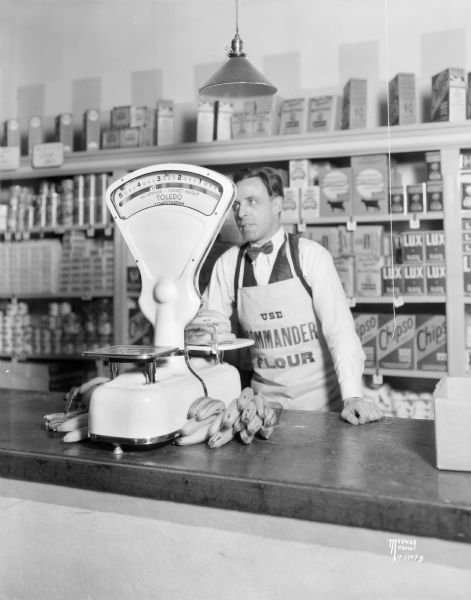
(269, 176)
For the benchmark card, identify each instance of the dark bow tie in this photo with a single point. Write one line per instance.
(254, 251)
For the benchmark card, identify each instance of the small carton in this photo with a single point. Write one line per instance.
(414, 279)
(165, 122)
(291, 205)
(242, 125)
(449, 95)
(368, 239)
(402, 100)
(299, 170)
(434, 199)
(324, 113)
(65, 131)
(130, 137)
(12, 132)
(434, 246)
(398, 199)
(310, 204)
(327, 237)
(435, 279)
(367, 327)
(433, 165)
(354, 104)
(412, 245)
(293, 116)
(452, 408)
(205, 121)
(345, 266)
(266, 116)
(35, 132)
(370, 184)
(396, 341)
(110, 139)
(224, 112)
(123, 116)
(392, 281)
(465, 185)
(416, 194)
(368, 275)
(335, 192)
(430, 342)
(91, 129)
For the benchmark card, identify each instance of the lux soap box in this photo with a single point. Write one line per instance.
(452, 400)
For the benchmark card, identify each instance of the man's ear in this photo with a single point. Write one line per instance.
(278, 205)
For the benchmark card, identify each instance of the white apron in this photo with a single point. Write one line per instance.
(290, 358)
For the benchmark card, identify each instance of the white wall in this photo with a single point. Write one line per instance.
(66, 55)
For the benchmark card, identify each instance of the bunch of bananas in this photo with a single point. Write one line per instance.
(209, 420)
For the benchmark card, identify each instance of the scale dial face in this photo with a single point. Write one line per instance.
(168, 187)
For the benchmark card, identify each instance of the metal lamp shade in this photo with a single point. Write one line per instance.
(237, 78)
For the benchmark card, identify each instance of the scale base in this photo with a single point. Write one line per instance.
(130, 411)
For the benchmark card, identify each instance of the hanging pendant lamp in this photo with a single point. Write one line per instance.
(237, 77)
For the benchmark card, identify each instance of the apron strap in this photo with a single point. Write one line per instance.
(294, 248)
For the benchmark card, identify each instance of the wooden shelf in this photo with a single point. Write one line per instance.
(405, 373)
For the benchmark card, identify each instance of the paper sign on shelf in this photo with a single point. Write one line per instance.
(48, 155)
(9, 158)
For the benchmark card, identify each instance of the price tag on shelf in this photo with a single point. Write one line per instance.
(352, 302)
(9, 158)
(301, 227)
(351, 225)
(398, 301)
(90, 232)
(414, 223)
(377, 378)
(48, 155)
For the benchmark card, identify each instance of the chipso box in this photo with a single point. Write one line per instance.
(324, 113)
(430, 343)
(396, 341)
(433, 165)
(412, 244)
(293, 116)
(392, 280)
(434, 242)
(398, 201)
(449, 95)
(416, 194)
(414, 279)
(354, 104)
(402, 101)
(435, 279)
(434, 194)
(370, 184)
(335, 192)
(291, 205)
(367, 328)
(310, 204)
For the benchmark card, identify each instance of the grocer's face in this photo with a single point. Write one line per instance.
(257, 214)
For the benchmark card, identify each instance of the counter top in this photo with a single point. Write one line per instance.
(314, 467)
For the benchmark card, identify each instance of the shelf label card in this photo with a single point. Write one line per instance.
(48, 155)
(9, 158)
(414, 223)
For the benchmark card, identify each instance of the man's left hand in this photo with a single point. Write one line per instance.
(358, 411)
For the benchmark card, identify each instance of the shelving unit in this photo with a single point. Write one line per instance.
(448, 138)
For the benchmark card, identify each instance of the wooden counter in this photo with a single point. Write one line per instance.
(315, 467)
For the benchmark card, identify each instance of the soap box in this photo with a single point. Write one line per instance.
(452, 408)
(392, 282)
(368, 275)
(367, 328)
(398, 202)
(354, 104)
(434, 192)
(412, 244)
(293, 116)
(433, 164)
(402, 103)
(291, 205)
(310, 204)
(416, 198)
(430, 343)
(449, 95)
(435, 279)
(324, 113)
(414, 279)
(370, 184)
(396, 341)
(434, 245)
(335, 192)
(299, 172)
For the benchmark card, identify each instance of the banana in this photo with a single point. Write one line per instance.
(249, 411)
(265, 432)
(206, 410)
(254, 424)
(194, 406)
(73, 423)
(216, 425)
(269, 417)
(260, 404)
(220, 438)
(197, 436)
(245, 396)
(238, 425)
(245, 436)
(92, 383)
(76, 435)
(230, 414)
(192, 425)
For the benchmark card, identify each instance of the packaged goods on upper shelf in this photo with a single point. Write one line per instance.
(433, 165)
(165, 130)
(242, 120)
(434, 196)
(291, 205)
(416, 198)
(354, 104)
(35, 132)
(402, 100)
(91, 129)
(293, 116)
(223, 128)
(205, 119)
(64, 131)
(12, 133)
(449, 95)
(336, 192)
(324, 113)
(370, 177)
(266, 117)
(398, 202)
(468, 96)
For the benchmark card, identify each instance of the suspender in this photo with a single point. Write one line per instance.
(293, 241)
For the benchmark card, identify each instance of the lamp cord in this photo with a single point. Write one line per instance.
(237, 16)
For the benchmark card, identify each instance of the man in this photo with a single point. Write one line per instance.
(290, 301)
